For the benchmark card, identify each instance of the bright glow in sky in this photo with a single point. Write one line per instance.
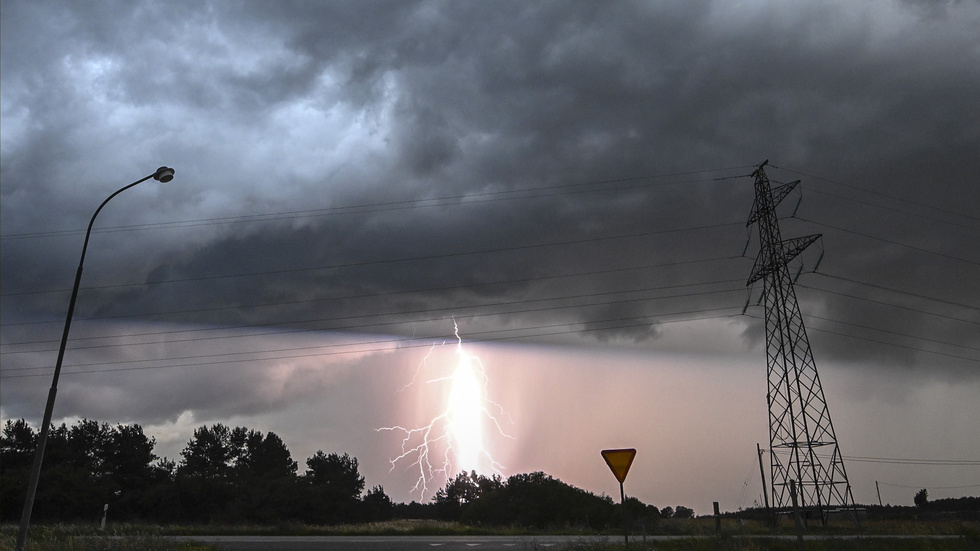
(452, 441)
(466, 414)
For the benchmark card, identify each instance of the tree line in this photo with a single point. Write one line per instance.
(539, 500)
(236, 475)
(225, 475)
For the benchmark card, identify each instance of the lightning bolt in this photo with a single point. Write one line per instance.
(453, 440)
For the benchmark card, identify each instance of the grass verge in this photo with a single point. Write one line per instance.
(734, 536)
(60, 538)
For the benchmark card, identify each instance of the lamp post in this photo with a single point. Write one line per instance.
(162, 174)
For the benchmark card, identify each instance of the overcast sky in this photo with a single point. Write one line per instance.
(566, 181)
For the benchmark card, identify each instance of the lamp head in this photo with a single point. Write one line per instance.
(164, 174)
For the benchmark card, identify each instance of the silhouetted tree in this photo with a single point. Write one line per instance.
(86, 466)
(536, 499)
(235, 475)
(415, 510)
(642, 517)
(376, 505)
(161, 498)
(333, 488)
(56, 498)
(267, 457)
(956, 504)
(128, 463)
(454, 497)
(264, 475)
(683, 512)
(204, 477)
(921, 498)
(17, 445)
(636, 512)
(208, 454)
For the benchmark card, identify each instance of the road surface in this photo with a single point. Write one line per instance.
(394, 543)
(447, 543)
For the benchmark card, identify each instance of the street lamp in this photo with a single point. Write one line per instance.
(163, 174)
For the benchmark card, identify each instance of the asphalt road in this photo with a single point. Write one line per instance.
(445, 543)
(394, 543)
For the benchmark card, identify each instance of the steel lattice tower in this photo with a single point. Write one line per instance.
(803, 446)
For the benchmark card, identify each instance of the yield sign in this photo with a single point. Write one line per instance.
(619, 462)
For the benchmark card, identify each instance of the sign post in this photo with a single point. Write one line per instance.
(619, 462)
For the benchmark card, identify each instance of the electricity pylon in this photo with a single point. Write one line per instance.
(803, 446)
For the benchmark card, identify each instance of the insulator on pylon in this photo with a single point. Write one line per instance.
(819, 258)
(797, 207)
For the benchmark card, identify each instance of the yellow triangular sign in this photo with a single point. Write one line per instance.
(619, 462)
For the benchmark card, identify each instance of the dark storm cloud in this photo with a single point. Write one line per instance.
(433, 115)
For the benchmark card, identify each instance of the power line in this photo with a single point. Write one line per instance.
(909, 460)
(499, 195)
(409, 313)
(877, 341)
(890, 242)
(352, 327)
(890, 289)
(362, 326)
(897, 334)
(394, 293)
(366, 208)
(878, 193)
(898, 211)
(929, 486)
(397, 260)
(882, 303)
(408, 342)
(486, 305)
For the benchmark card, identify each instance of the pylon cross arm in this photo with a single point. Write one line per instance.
(793, 247)
(777, 195)
(782, 191)
(759, 270)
